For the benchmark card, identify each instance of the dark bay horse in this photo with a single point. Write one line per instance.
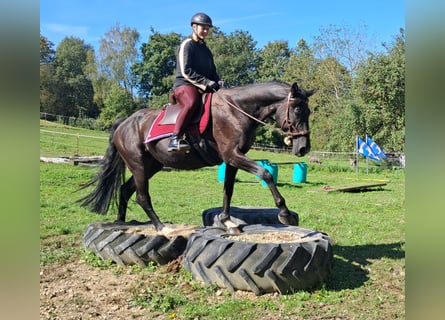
(235, 115)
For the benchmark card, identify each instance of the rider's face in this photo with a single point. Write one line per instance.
(202, 31)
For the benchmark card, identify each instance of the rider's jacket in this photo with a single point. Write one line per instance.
(195, 65)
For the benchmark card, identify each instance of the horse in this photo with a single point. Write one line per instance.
(235, 115)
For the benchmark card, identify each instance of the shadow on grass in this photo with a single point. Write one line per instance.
(351, 263)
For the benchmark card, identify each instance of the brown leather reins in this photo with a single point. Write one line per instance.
(291, 132)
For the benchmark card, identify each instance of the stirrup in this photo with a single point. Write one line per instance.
(178, 144)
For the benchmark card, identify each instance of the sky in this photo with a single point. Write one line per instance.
(265, 20)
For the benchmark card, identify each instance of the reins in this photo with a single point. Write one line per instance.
(293, 132)
(233, 105)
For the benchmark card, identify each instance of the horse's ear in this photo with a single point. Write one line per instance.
(294, 90)
(311, 92)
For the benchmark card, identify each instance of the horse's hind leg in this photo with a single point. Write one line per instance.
(141, 177)
(126, 191)
(144, 200)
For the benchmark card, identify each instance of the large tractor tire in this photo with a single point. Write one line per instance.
(135, 243)
(245, 215)
(262, 259)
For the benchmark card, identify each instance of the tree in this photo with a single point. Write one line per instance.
(75, 86)
(273, 61)
(381, 86)
(65, 87)
(235, 56)
(117, 54)
(155, 73)
(302, 65)
(47, 53)
(333, 83)
(118, 104)
(344, 44)
(47, 75)
(271, 65)
(101, 85)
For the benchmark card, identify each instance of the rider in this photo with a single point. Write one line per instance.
(195, 74)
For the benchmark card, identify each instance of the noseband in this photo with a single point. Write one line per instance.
(287, 127)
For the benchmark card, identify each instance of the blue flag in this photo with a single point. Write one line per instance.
(375, 148)
(366, 150)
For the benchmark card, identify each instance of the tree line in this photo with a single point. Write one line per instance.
(361, 91)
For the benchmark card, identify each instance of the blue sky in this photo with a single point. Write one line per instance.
(265, 20)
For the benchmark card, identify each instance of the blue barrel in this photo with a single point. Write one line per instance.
(273, 169)
(222, 172)
(262, 163)
(300, 172)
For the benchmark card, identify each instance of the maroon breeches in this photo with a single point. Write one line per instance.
(188, 97)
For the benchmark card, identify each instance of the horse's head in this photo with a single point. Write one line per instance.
(293, 117)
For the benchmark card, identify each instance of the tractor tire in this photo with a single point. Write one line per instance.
(279, 258)
(132, 243)
(244, 215)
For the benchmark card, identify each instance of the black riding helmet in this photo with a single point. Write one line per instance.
(201, 18)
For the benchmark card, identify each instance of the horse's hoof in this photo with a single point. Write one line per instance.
(227, 225)
(165, 231)
(234, 230)
(288, 219)
(159, 227)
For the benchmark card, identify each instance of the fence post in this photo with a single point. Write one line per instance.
(78, 137)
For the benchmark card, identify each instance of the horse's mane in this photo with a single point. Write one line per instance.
(266, 89)
(266, 84)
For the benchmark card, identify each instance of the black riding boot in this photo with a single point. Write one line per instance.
(178, 144)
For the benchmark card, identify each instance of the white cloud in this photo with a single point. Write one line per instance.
(66, 30)
(244, 18)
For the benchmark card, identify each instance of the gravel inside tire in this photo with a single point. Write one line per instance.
(244, 215)
(262, 259)
(134, 243)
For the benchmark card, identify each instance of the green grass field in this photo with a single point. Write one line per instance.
(368, 229)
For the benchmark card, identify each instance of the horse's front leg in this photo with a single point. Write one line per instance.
(224, 216)
(249, 165)
(284, 215)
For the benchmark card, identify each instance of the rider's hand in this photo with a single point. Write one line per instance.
(212, 86)
(221, 84)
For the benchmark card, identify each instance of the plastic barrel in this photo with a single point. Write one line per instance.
(300, 172)
(222, 172)
(262, 163)
(273, 169)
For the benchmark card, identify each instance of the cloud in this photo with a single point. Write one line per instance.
(220, 22)
(66, 30)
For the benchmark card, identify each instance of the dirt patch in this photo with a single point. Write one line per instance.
(170, 230)
(271, 237)
(77, 290)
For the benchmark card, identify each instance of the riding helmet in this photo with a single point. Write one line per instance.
(201, 18)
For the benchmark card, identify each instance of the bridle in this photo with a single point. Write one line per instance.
(291, 130)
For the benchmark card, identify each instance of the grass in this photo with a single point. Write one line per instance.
(368, 229)
(57, 140)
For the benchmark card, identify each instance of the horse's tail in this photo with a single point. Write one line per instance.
(108, 180)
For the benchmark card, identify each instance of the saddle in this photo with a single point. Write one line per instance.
(172, 111)
(164, 123)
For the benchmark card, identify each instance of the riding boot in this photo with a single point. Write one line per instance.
(178, 144)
